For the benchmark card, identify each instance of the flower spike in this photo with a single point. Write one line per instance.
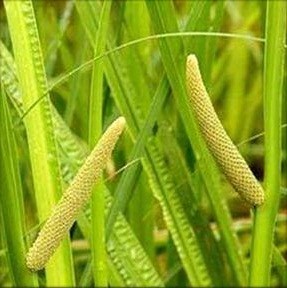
(222, 148)
(73, 199)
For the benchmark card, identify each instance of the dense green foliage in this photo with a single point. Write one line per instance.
(163, 214)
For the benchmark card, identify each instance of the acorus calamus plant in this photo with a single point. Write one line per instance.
(168, 217)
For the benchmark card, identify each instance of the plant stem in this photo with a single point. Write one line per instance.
(95, 129)
(39, 126)
(265, 216)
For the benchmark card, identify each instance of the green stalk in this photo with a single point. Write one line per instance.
(265, 216)
(100, 272)
(39, 126)
(11, 202)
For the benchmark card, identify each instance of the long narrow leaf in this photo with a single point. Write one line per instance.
(95, 128)
(43, 154)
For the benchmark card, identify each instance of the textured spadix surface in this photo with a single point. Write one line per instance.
(224, 151)
(73, 199)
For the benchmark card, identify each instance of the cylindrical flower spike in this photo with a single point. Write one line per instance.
(224, 151)
(73, 199)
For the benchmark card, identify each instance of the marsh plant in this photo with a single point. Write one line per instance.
(143, 143)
